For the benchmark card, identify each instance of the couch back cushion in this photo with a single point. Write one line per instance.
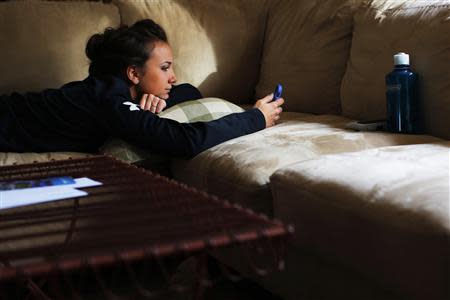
(43, 43)
(420, 28)
(216, 44)
(306, 49)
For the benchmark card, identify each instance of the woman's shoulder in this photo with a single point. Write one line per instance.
(108, 87)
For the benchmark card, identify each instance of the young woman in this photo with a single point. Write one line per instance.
(131, 80)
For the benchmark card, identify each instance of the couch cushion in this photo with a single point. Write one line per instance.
(216, 44)
(306, 49)
(384, 212)
(43, 43)
(420, 28)
(239, 169)
(11, 158)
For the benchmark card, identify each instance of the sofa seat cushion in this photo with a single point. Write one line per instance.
(239, 169)
(383, 212)
(12, 158)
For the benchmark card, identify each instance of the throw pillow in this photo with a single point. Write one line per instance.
(201, 110)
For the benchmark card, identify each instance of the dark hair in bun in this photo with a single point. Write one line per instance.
(112, 51)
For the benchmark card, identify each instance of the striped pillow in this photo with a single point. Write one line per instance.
(201, 110)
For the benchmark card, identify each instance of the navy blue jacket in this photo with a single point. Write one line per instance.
(82, 115)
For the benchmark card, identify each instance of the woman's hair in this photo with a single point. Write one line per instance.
(114, 50)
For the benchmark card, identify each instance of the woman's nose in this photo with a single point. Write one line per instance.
(172, 78)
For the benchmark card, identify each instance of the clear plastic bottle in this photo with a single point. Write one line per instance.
(402, 98)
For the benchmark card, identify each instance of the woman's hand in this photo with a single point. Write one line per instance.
(152, 103)
(270, 109)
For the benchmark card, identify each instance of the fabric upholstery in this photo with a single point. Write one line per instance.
(420, 28)
(239, 169)
(43, 43)
(306, 48)
(216, 44)
(384, 212)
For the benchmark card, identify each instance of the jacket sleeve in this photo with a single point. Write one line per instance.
(169, 137)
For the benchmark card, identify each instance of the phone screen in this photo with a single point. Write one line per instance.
(277, 92)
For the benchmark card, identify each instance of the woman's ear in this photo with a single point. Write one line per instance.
(133, 75)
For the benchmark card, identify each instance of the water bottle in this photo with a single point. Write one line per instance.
(402, 97)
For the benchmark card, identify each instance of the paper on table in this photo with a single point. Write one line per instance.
(83, 182)
(14, 198)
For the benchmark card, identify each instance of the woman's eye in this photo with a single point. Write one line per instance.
(165, 69)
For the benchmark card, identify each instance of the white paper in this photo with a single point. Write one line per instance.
(21, 197)
(83, 182)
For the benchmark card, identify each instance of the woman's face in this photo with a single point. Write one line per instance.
(157, 75)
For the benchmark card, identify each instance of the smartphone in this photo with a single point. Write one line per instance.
(277, 92)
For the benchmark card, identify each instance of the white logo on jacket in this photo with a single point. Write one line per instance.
(133, 106)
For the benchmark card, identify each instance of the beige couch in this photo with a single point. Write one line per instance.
(371, 209)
